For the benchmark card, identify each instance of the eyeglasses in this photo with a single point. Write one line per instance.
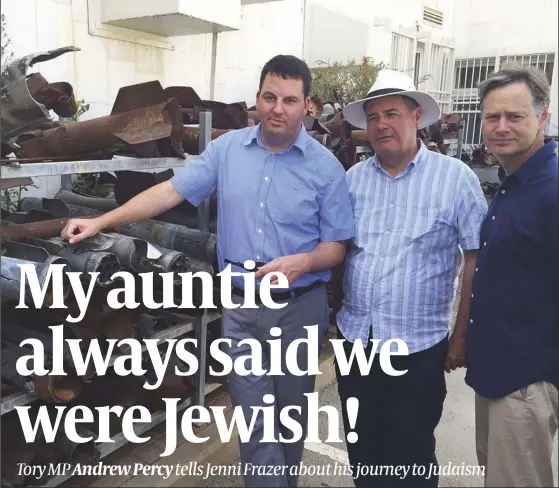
(259, 264)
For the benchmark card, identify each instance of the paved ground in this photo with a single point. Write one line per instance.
(455, 443)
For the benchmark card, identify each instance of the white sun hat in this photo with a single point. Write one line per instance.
(390, 82)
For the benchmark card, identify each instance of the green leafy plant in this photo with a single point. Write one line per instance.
(344, 83)
(5, 53)
(10, 197)
(82, 108)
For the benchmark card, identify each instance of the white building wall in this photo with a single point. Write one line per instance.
(391, 32)
(104, 65)
(505, 27)
(267, 30)
(502, 29)
(381, 18)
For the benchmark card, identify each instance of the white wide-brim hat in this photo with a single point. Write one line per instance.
(388, 83)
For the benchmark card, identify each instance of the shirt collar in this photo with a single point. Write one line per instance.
(418, 159)
(525, 172)
(255, 134)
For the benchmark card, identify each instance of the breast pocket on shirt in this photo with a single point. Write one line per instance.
(428, 229)
(294, 206)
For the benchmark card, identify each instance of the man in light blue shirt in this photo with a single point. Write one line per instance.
(414, 209)
(283, 202)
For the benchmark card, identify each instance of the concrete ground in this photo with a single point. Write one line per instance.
(455, 444)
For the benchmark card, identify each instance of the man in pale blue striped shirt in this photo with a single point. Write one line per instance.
(413, 210)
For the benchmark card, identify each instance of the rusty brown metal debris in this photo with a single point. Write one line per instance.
(44, 229)
(14, 182)
(20, 111)
(191, 138)
(52, 388)
(324, 139)
(358, 138)
(116, 134)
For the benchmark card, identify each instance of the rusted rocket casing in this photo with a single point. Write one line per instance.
(253, 115)
(26, 217)
(144, 326)
(232, 117)
(191, 138)
(58, 96)
(49, 388)
(358, 138)
(82, 258)
(119, 324)
(112, 132)
(19, 111)
(42, 319)
(44, 229)
(195, 243)
(11, 274)
(21, 250)
(140, 256)
(168, 260)
(172, 385)
(104, 204)
(56, 207)
(338, 127)
(16, 333)
(324, 139)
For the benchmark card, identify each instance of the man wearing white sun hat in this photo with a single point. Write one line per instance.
(413, 209)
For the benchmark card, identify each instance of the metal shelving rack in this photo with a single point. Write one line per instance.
(199, 323)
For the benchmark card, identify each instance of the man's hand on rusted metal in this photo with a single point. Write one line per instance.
(77, 230)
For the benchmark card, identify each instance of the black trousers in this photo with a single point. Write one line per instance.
(396, 419)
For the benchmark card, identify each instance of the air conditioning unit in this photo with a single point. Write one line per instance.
(252, 2)
(169, 18)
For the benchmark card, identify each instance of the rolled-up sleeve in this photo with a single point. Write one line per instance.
(336, 213)
(472, 209)
(197, 180)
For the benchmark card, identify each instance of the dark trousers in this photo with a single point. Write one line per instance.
(397, 418)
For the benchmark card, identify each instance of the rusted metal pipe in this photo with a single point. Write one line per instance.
(195, 243)
(58, 96)
(55, 206)
(19, 111)
(324, 139)
(191, 138)
(71, 198)
(20, 250)
(26, 217)
(83, 257)
(338, 127)
(10, 277)
(162, 260)
(49, 388)
(358, 138)
(44, 229)
(113, 133)
(16, 333)
(172, 385)
(253, 115)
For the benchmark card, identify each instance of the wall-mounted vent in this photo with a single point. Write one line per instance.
(433, 16)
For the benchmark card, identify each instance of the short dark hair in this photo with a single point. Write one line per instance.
(288, 66)
(534, 78)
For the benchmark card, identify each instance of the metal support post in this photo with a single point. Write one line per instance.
(201, 322)
(66, 182)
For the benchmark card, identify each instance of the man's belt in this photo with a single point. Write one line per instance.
(281, 295)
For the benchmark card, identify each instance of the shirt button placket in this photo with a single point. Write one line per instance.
(261, 210)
